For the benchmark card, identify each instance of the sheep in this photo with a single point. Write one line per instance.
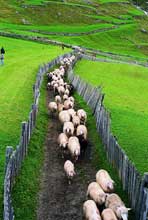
(64, 116)
(49, 75)
(91, 211)
(96, 193)
(71, 98)
(52, 83)
(66, 92)
(68, 128)
(68, 104)
(81, 131)
(63, 140)
(74, 147)
(55, 78)
(114, 202)
(61, 90)
(82, 115)
(69, 170)
(52, 106)
(105, 181)
(60, 107)
(62, 70)
(75, 120)
(108, 214)
(49, 86)
(55, 88)
(61, 82)
(71, 112)
(65, 97)
(58, 99)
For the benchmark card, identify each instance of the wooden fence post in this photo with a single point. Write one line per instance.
(24, 138)
(144, 199)
(9, 151)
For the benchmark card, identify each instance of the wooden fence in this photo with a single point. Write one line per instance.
(15, 157)
(135, 185)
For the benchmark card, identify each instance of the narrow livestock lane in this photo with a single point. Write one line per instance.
(57, 199)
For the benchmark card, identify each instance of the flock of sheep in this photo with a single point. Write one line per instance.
(74, 140)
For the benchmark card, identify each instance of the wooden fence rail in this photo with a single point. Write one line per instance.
(135, 185)
(15, 157)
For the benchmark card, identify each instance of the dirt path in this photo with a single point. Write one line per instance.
(57, 199)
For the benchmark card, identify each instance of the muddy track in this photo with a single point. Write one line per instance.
(57, 199)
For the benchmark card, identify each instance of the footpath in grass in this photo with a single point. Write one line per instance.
(25, 193)
(125, 87)
(17, 77)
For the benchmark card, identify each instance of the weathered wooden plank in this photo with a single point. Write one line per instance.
(144, 208)
(9, 151)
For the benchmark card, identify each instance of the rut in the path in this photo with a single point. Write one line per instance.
(57, 199)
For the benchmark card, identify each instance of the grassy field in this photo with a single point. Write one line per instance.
(17, 76)
(125, 87)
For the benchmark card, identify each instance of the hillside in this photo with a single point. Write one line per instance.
(116, 24)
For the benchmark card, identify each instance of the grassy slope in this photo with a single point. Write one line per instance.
(127, 39)
(125, 87)
(16, 79)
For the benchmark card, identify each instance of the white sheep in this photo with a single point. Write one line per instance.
(96, 193)
(74, 147)
(52, 106)
(114, 202)
(68, 128)
(68, 104)
(71, 112)
(82, 115)
(91, 211)
(75, 120)
(63, 140)
(69, 170)
(61, 90)
(64, 116)
(105, 181)
(58, 99)
(81, 131)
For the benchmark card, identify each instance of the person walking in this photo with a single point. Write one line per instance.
(2, 56)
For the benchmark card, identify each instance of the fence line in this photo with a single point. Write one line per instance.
(135, 185)
(87, 51)
(15, 157)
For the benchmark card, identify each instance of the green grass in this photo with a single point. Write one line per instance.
(17, 76)
(55, 28)
(126, 98)
(111, 19)
(50, 13)
(116, 41)
(99, 159)
(25, 192)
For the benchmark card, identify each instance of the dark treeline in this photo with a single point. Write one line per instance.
(142, 3)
